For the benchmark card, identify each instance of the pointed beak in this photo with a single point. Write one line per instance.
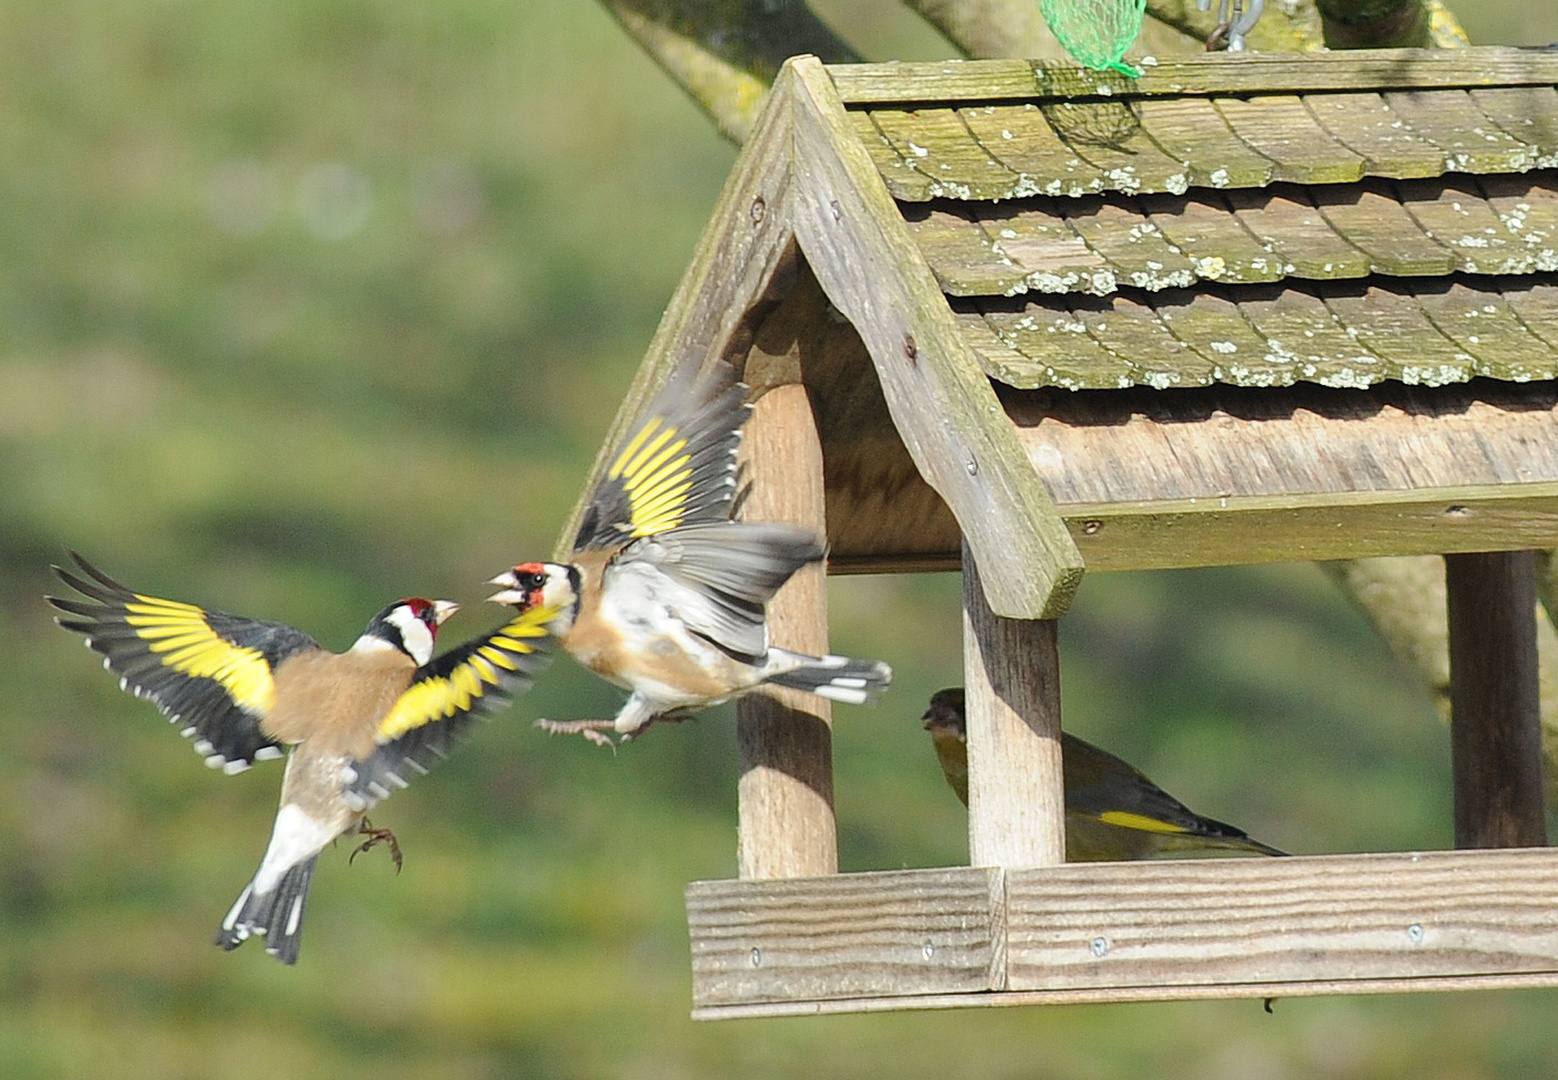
(442, 609)
(511, 594)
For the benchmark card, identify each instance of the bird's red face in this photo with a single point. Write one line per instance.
(525, 586)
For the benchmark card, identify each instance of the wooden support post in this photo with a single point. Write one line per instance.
(1495, 715)
(1016, 797)
(784, 737)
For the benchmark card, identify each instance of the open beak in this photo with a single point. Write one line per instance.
(511, 594)
(442, 609)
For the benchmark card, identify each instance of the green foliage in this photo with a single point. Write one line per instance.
(311, 304)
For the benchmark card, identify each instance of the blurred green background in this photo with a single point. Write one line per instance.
(312, 304)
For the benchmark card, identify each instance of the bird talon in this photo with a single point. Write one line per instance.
(590, 729)
(375, 838)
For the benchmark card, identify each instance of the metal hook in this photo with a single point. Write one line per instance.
(1235, 19)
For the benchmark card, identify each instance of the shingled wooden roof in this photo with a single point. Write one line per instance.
(1328, 220)
(1243, 308)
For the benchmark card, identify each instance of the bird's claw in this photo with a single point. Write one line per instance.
(375, 838)
(590, 729)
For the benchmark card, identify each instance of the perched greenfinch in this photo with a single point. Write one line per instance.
(1113, 812)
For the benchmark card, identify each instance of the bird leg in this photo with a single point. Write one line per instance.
(590, 729)
(375, 837)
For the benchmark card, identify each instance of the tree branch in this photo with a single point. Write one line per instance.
(725, 53)
(1404, 599)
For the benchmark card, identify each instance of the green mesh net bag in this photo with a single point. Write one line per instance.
(1096, 32)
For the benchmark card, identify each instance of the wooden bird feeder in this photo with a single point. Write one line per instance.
(1025, 320)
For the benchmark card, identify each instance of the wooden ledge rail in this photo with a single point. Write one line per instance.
(1163, 930)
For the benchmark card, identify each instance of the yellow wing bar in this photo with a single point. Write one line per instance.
(656, 475)
(1127, 820)
(183, 641)
(494, 663)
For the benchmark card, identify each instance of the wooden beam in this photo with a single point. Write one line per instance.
(926, 932)
(1251, 72)
(1164, 930)
(1016, 796)
(784, 737)
(1333, 525)
(1254, 992)
(1495, 714)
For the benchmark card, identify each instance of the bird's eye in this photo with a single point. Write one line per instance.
(533, 579)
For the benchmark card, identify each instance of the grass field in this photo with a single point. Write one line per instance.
(308, 305)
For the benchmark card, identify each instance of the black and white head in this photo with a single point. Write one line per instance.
(410, 625)
(540, 584)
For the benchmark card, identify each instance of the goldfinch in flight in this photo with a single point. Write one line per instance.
(664, 594)
(356, 723)
(1113, 812)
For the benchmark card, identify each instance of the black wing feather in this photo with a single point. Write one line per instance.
(221, 712)
(638, 496)
(446, 698)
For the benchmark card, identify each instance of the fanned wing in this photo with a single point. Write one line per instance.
(445, 698)
(208, 671)
(719, 576)
(677, 464)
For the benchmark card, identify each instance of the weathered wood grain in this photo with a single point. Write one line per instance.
(1365, 124)
(1280, 128)
(848, 935)
(1495, 714)
(784, 738)
(1472, 313)
(1339, 335)
(1137, 446)
(1378, 225)
(1109, 136)
(943, 406)
(1215, 329)
(1217, 243)
(1244, 73)
(1016, 796)
(1304, 333)
(1167, 535)
(1389, 322)
(1019, 138)
(1527, 207)
(1254, 992)
(1334, 917)
(1283, 218)
(938, 145)
(1138, 252)
(1037, 237)
(964, 258)
(1470, 141)
(1529, 114)
(1192, 131)
(902, 179)
(1179, 929)
(1453, 212)
(1073, 356)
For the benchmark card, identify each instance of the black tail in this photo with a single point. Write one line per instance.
(277, 914)
(857, 682)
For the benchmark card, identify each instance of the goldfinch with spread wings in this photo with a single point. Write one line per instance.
(355, 723)
(664, 594)
(1113, 812)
